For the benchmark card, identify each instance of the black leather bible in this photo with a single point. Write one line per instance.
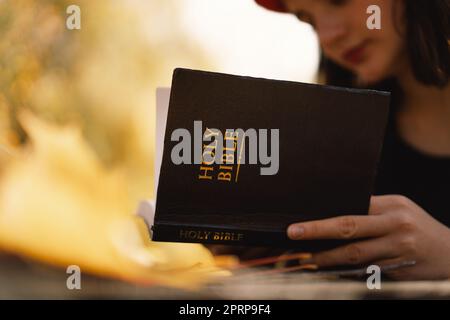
(245, 157)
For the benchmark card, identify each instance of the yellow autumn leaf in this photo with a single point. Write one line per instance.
(59, 205)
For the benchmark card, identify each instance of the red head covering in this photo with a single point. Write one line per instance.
(274, 5)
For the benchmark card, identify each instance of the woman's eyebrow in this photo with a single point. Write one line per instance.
(303, 5)
(301, 11)
(303, 15)
(299, 8)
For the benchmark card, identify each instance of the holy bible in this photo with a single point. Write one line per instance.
(245, 157)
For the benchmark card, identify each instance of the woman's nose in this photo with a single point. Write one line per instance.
(330, 31)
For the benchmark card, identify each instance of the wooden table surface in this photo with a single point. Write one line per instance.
(26, 280)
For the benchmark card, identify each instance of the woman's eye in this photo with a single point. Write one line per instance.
(338, 3)
(304, 17)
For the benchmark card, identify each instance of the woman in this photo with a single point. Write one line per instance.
(408, 223)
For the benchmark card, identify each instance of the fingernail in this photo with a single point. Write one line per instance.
(295, 232)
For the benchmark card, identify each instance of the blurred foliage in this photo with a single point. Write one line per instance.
(77, 132)
(102, 77)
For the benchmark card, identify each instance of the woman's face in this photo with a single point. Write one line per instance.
(341, 25)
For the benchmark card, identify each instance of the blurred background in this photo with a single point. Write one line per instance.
(77, 121)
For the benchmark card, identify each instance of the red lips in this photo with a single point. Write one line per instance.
(356, 55)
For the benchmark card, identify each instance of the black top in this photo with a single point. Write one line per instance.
(407, 171)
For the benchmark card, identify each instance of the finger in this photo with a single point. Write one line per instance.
(356, 253)
(379, 204)
(344, 227)
(387, 203)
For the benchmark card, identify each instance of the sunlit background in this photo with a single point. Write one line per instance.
(77, 113)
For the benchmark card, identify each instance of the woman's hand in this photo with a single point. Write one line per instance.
(395, 231)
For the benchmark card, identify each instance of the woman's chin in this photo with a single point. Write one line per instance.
(369, 77)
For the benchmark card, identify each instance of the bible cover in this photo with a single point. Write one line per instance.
(329, 141)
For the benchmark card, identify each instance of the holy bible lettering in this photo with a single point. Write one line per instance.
(227, 169)
(210, 236)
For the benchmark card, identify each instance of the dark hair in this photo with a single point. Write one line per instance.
(427, 40)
